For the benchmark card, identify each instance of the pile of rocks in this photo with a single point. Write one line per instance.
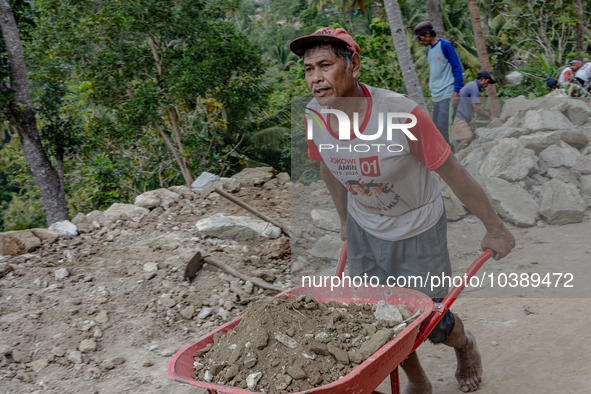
(534, 162)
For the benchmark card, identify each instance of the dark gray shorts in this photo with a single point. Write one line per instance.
(423, 255)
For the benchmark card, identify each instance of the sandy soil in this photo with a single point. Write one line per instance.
(544, 352)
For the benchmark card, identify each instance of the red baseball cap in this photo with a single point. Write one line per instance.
(326, 35)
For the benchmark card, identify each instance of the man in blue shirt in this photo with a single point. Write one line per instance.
(446, 78)
(469, 103)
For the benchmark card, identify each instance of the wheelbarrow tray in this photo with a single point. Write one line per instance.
(363, 379)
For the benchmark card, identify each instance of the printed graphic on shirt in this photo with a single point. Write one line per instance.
(378, 196)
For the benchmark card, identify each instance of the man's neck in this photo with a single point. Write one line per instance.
(434, 41)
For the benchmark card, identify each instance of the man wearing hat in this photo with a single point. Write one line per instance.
(390, 234)
(571, 89)
(469, 103)
(568, 73)
(446, 75)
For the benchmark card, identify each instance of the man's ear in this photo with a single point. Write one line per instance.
(355, 64)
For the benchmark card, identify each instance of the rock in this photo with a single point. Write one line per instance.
(453, 206)
(102, 317)
(150, 267)
(45, 234)
(64, 229)
(255, 176)
(204, 181)
(540, 140)
(282, 382)
(297, 372)
(514, 78)
(575, 138)
(98, 333)
(157, 198)
(512, 203)
(561, 203)
(224, 314)
(339, 354)
(319, 348)
(474, 160)
(585, 182)
(21, 357)
(370, 328)
(87, 346)
(167, 352)
(329, 246)
(563, 174)
(79, 218)
(508, 160)
(560, 155)
(96, 216)
(378, 340)
(252, 380)
(187, 313)
(270, 185)
(355, 357)
(578, 112)
(75, 357)
(231, 185)
(61, 273)
(84, 228)
(326, 220)
(14, 243)
(321, 337)
(205, 312)
(58, 351)
(237, 228)
(582, 165)
(496, 122)
(167, 301)
(541, 120)
(248, 287)
(133, 212)
(38, 365)
(399, 328)
(208, 377)
(183, 190)
(231, 372)
(388, 313)
(282, 179)
(5, 350)
(117, 360)
(250, 360)
(488, 135)
(285, 340)
(513, 107)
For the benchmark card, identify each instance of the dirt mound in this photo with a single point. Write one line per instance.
(291, 345)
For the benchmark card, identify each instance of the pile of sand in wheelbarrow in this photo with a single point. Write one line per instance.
(284, 345)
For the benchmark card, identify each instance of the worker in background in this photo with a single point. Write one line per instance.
(583, 75)
(568, 74)
(470, 103)
(446, 76)
(571, 89)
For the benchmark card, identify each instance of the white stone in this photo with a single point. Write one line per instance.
(585, 184)
(65, 229)
(237, 228)
(512, 202)
(329, 246)
(473, 161)
(560, 155)
(205, 312)
(252, 380)
(508, 160)
(133, 212)
(326, 220)
(388, 313)
(255, 176)
(561, 203)
(87, 346)
(62, 273)
(150, 267)
(287, 341)
(514, 78)
(157, 198)
(96, 216)
(540, 140)
(75, 357)
(204, 181)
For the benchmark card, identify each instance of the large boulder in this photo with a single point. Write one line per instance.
(474, 160)
(578, 112)
(585, 182)
(256, 176)
(65, 229)
(96, 216)
(204, 181)
(561, 203)
(326, 220)
(45, 234)
(14, 243)
(237, 227)
(512, 203)
(582, 165)
(124, 211)
(329, 247)
(157, 198)
(453, 206)
(542, 120)
(509, 160)
(183, 190)
(514, 106)
(540, 140)
(79, 218)
(575, 138)
(560, 155)
(501, 132)
(563, 174)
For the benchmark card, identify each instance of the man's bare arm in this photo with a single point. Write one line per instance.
(339, 193)
(478, 109)
(471, 194)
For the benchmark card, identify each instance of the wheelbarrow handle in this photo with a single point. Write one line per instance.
(442, 307)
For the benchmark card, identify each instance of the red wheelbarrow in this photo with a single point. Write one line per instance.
(367, 376)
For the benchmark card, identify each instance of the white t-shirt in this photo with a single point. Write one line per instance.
(566, 75)
(584, 72)
(393, 194)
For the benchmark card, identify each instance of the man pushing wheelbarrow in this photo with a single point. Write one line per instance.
(380, 176)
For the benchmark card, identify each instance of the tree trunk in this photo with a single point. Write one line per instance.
(23, 118)
(580, 45)
(435, 17)
(409, 74)
(179, 160)
(491, 90)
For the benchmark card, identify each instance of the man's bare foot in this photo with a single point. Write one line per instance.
(423, 387)
(469, 369)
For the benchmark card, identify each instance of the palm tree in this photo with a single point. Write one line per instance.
(580, 29)
(409, 74)
(436, 17)
(491, 90)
